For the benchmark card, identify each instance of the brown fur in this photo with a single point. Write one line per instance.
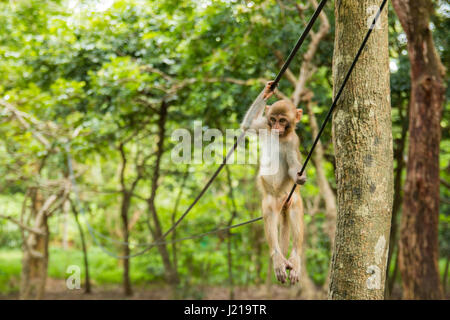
(281, 118)
(275, 188)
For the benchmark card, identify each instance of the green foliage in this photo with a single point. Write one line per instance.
(103, 74)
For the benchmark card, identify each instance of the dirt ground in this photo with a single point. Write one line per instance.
(56, 290)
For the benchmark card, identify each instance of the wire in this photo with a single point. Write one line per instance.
(95, 234)
(338, 95)
(298, 44)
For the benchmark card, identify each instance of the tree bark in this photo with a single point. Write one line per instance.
(126, 199)
(391, 280)
(35, 255)
(418, 247)
(170, 271)
(124, 208)
(65, 228)
(324, 186)
(398, 197)
(174, 216)
(362, 139)
(87, 280)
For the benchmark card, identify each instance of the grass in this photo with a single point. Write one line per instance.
(103, 268)
(10, 267)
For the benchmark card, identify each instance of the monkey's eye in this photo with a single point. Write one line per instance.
(282, 120)
(272, 119)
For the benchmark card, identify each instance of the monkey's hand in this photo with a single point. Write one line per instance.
(268, 91)
(301, 179)
(280, 265)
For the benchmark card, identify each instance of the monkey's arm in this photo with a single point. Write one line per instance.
(253, 118)
(293, 158)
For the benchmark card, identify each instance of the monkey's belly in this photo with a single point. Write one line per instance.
(277, 184)
(273, 170)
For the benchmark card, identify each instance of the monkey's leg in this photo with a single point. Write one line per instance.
(270, 217)
(296, 223)
(284, 233)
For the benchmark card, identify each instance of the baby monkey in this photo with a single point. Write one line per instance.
(279, 119)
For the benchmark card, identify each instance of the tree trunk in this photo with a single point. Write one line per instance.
(398, 197)
(174, 216)
(65, 228)
(169, 269)
(35, 256)
(308, 289)
(87, 280)
(393, 277)
(362, 139)
(418, 247)
(126, 199)
(324, 186)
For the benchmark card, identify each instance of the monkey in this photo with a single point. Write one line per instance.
(280, 119)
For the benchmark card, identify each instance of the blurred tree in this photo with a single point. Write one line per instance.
(418, 254)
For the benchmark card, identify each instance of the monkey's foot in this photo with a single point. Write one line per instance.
(294, 274)
(280, 265)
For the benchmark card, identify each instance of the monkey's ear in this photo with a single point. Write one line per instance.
(298, 115)
(267, 108)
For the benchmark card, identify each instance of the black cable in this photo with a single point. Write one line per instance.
(210, 181)
(298, 44)
(94, 234)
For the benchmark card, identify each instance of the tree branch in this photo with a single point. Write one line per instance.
(18, 115)
(23, 226)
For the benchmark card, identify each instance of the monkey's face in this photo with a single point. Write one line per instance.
(279, 124)
(282, 117)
